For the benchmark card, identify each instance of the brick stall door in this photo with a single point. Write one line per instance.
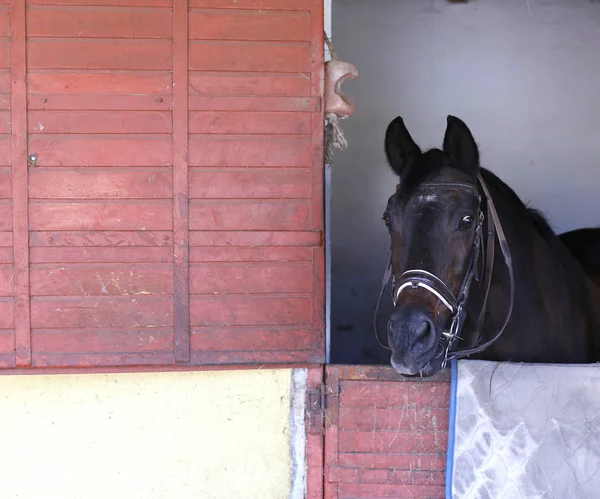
(385, 436)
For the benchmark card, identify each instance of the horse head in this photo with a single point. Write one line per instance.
(435, 222)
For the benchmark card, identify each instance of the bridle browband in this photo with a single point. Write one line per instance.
(418, 278)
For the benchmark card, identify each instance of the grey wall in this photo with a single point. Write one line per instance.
(524, 75)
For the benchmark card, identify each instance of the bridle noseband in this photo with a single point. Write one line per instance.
(418, 278)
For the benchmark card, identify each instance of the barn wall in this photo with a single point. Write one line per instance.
(524, 77)
(158, 435)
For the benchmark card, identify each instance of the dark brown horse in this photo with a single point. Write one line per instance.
(475, 273)
(584, 244)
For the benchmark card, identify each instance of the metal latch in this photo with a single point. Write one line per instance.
(315, 409)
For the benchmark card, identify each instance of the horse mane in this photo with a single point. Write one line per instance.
(541, 224)
(540, 221)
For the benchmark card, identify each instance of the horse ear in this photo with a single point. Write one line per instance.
(400, 149)
(460, 145)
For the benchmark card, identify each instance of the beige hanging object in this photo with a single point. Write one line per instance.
(337, 106)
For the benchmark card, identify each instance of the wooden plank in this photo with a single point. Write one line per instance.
(5, 21)
(371, 460)
(100, 102)
(7, 361)
(5, 121)
(434, 395)
(92, 238)
(96, 3)
(6, 255)
(317, 38)
(269, 57)
(254, 239)
(102, 312)
(141, 82)
(315, 442)
(389, 476)
(6, 149)
(93, 361)
(18, 156)
(98, 22)
(253, 103)
(68, 280)
(318, 141)
(231, 357)
(386, 491)
(93, 183)
(318, 293)
(4, 98)
(6, 282)
(5, 184)
(251, 184)
(112, 54)
(101, 342)
(206, 150)
(259, 5)
(232, 278)
(393, 442)
(380, 373)
(249, 310)
(146, 215)
(101, 151)
(249, 25)
(101, 255)
(181, 188)
(7, 316)
(272, 123)
(7, 344)
(108, 122)
(5, 87)
(416, 418)
(6, 239)
(246, 84)
(247, 215)
(250, 338)
(261, 254)
(5, 53)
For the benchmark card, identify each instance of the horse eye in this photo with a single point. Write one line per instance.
(387, 221)
(465, 223)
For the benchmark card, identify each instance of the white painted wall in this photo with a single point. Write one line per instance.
(208, 435)
(523, 74)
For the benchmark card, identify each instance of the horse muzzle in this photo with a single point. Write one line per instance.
(413, 338)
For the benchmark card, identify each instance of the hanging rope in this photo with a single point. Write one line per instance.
(330, 46)
(334, 137)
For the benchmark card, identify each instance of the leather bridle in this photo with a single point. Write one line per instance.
(419, 278)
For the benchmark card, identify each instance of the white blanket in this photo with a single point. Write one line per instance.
(524, 431)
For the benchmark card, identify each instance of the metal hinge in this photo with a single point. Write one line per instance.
(315, 410)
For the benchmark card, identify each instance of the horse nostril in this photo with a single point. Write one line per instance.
(422, 331)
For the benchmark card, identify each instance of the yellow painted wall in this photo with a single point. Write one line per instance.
(199, 435)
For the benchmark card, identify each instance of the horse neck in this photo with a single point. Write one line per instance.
(545, 306)
(521, 236)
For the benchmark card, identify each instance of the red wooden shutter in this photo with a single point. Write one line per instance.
(166, 201)
(255, 157)
(11, 200)
(99, 119)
